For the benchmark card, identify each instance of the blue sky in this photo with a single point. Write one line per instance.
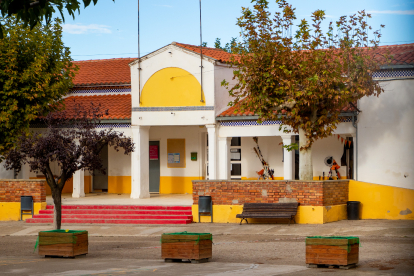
(109, 30)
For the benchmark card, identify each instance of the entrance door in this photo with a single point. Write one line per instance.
(154, 166)
(100, 180)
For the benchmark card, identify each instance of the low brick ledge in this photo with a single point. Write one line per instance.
(307, 193)
(11, 190)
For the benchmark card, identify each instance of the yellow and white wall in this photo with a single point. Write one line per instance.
(178, 180)
(119, 172)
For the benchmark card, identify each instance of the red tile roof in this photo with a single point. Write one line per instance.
(403, 54)
(103, 72)
(215, 53)
(118, 106)
(116, 71)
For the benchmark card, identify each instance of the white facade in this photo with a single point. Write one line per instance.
(385, 136)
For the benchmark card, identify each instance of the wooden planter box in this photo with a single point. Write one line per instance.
(341, 251)
(192, 246)
(63, 243)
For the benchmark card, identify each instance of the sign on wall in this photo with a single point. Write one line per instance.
(153, 152)
(173, 158)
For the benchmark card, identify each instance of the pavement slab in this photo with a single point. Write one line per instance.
(387, 248)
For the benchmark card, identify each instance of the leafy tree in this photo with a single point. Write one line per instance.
(73, 142)
(229, 47)
(33, 12)
(306, 79)
(36, 71)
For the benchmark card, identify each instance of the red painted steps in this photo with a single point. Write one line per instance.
(117, 214)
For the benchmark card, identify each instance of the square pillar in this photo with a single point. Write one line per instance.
(140, 162)
(78, 184)
(212, 152)
(224, 157)
(288, 159)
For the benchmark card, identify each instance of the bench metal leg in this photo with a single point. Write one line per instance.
(245, 220)
(292, 218)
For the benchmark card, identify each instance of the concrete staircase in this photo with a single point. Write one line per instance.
(117, 214)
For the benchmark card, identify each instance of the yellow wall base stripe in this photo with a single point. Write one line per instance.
(119, 184)
(11, 210)
(381, 201)
(177, 184)
(305, 215)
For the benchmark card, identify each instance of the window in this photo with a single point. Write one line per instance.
(235, 158)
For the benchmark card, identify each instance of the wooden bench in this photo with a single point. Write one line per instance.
(269, 210)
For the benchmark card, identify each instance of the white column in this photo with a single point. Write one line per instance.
(140, 162)
(78, 184)
(288, 159)
(224, 157)
(212, 152)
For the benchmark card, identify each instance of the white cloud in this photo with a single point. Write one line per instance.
(406, 12)
(85, 29)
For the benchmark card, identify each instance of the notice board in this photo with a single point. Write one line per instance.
(176, 153)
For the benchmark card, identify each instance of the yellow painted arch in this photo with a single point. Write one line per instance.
(172, 87)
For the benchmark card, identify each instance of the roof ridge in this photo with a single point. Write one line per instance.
(103, 95)
(204, 47)
(106, 59)
(398, 45)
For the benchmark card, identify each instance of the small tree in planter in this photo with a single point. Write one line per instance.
(71, 140)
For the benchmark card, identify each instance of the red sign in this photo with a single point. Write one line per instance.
(153, 152)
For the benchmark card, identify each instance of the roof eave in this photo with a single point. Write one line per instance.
(397, 66)
(256, 117)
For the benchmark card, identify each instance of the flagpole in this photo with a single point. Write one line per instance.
(139, 63)
(201, 58)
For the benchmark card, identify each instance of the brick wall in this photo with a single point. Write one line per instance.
(335, 192)
(238, 192)
(12, 189)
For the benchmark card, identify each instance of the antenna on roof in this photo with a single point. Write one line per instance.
(201, 58)
(139, 64)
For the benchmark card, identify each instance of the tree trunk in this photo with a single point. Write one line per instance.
(305, 158)
(57, 210)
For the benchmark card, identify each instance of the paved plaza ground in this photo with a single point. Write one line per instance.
(387, 248)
